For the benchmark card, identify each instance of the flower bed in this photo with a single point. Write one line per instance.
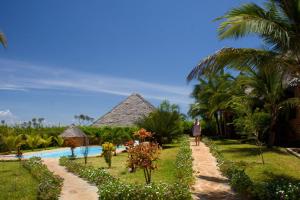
(112, 188)
(49, 184)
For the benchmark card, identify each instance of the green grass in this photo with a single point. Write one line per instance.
(278, 162)
(16, 182)
(164, 173)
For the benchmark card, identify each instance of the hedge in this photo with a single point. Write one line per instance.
(49, 184)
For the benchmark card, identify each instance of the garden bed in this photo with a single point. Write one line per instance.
(165, 172)
(278, 178)
(111, 187)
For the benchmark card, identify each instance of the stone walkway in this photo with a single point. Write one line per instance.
(209, 183)
(74, 188)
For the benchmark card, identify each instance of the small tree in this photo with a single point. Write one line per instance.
(107, 150)
(85, 150)
(144, 155)
(72, 143)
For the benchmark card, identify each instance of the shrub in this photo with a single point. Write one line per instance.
(49, 184)
(279, 188)
(184, 163)
(165, 123)
(144, 156)
(238, 179)
(107, 149)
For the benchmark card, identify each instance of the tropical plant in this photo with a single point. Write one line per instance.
(164, 122)
(14, 143)
(34, 141)
(46, 141)
(212, 94)
(59, 141)
(144, 156)
(277, 24)
(83, 119)
(268, 86)
(107, 150)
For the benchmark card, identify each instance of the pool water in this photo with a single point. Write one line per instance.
(78, 151)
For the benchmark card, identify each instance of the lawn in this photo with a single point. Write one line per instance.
(278, 162)
(164, 173)
(16, 182)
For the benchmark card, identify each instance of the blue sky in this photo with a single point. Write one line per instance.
(73, 56)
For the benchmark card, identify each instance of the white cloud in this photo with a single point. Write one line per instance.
(21, 76)
(8, 116)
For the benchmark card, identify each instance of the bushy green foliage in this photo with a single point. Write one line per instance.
(165, 123)
(47, 136)
(184, 163)
(115, 135)
(108, 149)
(112, 188)
(49, 184)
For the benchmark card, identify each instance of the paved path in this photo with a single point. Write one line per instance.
(209, 183)
(74, 188)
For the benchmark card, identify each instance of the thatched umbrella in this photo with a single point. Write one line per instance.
(74, 137)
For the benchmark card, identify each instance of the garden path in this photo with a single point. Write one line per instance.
(74, 188)
(209, 183)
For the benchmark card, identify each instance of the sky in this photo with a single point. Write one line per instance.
(72, 57)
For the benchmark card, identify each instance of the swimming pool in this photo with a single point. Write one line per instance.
(78, 151)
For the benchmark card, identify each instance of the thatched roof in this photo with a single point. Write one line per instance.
(127, 112)
(73, 132)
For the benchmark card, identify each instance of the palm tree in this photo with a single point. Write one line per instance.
(277, 24)
(46, 141)
(34, 141)
(211, 95)
(268, 85)
(14, 143)
(59, 140)
(3, 40)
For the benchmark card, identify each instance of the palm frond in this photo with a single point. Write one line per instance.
(3, 40)
(238, 58)
(251, 18)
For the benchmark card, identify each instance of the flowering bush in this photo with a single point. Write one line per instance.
(144, 156)
(142, 134)
(107, 149)
(279, 189)
(49, 184)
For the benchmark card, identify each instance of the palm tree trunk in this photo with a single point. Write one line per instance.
(218, 124)
(272, 134)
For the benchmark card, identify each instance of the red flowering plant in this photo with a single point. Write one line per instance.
(144, 155)
(142, 134)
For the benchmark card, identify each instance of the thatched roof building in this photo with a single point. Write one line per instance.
(73, 136)
(127, 112)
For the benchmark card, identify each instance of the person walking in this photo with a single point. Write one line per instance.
(197, 131)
